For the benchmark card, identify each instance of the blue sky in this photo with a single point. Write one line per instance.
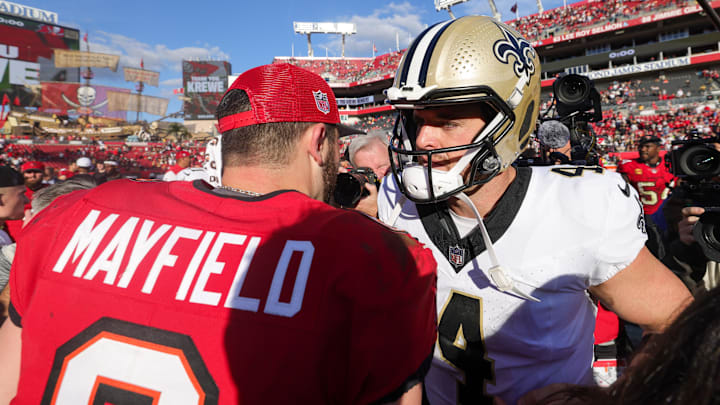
(248, 33)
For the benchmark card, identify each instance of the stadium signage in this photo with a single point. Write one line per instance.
(21, 72)
(620, 54)
(28, 12)
(355, 101)
(639, 68)
(616, 26)
(15, 23)
(670, 14)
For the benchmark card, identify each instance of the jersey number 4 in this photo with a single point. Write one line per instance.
(460, 339)
(123, 363)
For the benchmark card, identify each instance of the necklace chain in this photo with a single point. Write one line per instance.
(237, 190)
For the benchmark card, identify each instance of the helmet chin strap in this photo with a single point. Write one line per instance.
(415, 176)
(499, 276)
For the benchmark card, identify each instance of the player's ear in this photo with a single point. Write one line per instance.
(317, 142)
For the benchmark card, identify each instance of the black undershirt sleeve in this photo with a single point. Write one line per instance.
(14, 316)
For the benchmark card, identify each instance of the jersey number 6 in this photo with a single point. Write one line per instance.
(123, 363)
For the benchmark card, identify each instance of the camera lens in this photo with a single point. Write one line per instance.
(348, 190)
(573, 89)
(699, 160)
(707, 234)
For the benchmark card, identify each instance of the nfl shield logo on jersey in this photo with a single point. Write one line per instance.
(456, 255)
(321, 101)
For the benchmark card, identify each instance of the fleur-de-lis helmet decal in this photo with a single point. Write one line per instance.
(520, 49)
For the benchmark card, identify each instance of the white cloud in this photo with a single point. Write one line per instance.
(174, 83)
(156, 57)
(379, 27)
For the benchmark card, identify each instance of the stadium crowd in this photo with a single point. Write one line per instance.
(587, 14)
(348, 70)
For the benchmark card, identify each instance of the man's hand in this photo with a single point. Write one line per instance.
(368, 204)
(691, 215)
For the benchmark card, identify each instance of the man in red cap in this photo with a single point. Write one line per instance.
(236, 294)
(182, 161)
(32, 172)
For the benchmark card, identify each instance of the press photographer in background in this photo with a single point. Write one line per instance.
(690, 217)
(368, 155)
(567, 137)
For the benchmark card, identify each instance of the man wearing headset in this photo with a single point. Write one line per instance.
(517, 248)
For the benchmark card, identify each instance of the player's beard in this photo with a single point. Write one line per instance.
(330, 175)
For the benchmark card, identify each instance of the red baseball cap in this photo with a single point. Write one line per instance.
(66, 172)
(32, 165)
(281, 92)
(181, 154)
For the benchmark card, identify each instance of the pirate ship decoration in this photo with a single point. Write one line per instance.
(86, 99)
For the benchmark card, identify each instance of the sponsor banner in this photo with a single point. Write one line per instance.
(27, 57)
(78, 99)
(31, 13)
(141, 75)
(204, 83)
(120, 101)
(639, 68)
(65, 58)
(355, 101)
(678, 12)
(111, 130)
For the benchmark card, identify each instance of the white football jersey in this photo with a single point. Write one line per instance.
(169, 176)
(192, 174)
(557, 231)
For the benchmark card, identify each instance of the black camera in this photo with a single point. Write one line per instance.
(350, 186)
(576, 95)
(695, 159)
(697, 162)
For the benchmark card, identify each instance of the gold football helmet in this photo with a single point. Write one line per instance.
(469, 60)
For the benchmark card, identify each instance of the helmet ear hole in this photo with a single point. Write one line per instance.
(524, 133)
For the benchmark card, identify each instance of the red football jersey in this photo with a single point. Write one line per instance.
(172, 293)
(650, 182)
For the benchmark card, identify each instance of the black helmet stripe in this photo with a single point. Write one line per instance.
(428, 54)
(410, 54)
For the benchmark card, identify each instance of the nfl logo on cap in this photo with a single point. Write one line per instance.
(321, 101)
(456, 255)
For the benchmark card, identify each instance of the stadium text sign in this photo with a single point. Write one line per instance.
(639, 68)
(204, 83)
(21, 72)
(625, 24)
(28, 12)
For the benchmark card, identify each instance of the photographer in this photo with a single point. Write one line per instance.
(371, 162)
(686, 213)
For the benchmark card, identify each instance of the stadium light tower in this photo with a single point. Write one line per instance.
(309, 28)
(446, 4)
(540, 7)
(494, 10)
